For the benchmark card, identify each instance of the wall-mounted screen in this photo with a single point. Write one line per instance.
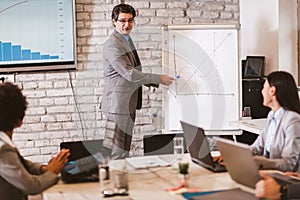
(37, 35)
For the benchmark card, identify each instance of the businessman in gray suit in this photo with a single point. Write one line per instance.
(124, 78)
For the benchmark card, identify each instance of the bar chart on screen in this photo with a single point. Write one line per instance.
(37, 33)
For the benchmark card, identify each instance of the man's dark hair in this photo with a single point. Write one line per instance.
(122, 8)
(286, 90)
(12, 106)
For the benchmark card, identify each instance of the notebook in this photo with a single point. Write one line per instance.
(242, 167)
(199, 147)
(83, 161)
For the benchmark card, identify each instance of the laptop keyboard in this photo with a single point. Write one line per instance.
(83, 164)
(219, 167)
(282, 179)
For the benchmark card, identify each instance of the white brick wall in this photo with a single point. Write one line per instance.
(52, 116)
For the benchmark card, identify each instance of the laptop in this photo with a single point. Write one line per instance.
(242, 167)
(199, 147)
(83, 164)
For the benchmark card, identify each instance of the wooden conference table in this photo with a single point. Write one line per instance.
(252, 125)
(148, 183)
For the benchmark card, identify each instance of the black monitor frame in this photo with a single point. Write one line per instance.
(254, 67)
(63, 30)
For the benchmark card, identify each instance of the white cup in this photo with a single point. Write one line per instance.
(120, 179)
(247, 112)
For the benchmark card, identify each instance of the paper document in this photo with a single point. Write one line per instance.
(147, 162)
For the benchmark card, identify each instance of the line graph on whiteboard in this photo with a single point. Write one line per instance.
(191, 77)
(204, 63)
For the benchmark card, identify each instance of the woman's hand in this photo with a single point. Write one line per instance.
(57, 163)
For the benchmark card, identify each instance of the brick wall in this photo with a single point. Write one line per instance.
(64, 106)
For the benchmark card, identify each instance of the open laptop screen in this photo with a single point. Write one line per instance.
(80, 149)
(197, 143)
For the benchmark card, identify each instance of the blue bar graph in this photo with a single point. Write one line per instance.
(45, 56)
(35, 56)
(54, 57)
(14, 52)
(7, 51)
(0, 50)
(26, 54)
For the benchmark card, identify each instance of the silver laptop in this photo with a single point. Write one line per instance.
(199, 148)
(242, 167)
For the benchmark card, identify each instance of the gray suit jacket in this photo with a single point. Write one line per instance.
(123, 77)
(16, 182)
(285, 149)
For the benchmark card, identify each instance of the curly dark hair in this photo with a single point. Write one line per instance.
(12, 106)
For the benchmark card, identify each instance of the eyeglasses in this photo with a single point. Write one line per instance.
(130, 20)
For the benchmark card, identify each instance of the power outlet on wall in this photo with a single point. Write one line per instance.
(7, 78)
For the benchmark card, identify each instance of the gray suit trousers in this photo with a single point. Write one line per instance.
(118, 134)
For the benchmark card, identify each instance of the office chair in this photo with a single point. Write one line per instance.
(161, 144)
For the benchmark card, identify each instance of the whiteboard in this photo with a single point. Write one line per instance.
(204, 59)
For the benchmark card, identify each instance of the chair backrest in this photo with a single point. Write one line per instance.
(161, 144)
